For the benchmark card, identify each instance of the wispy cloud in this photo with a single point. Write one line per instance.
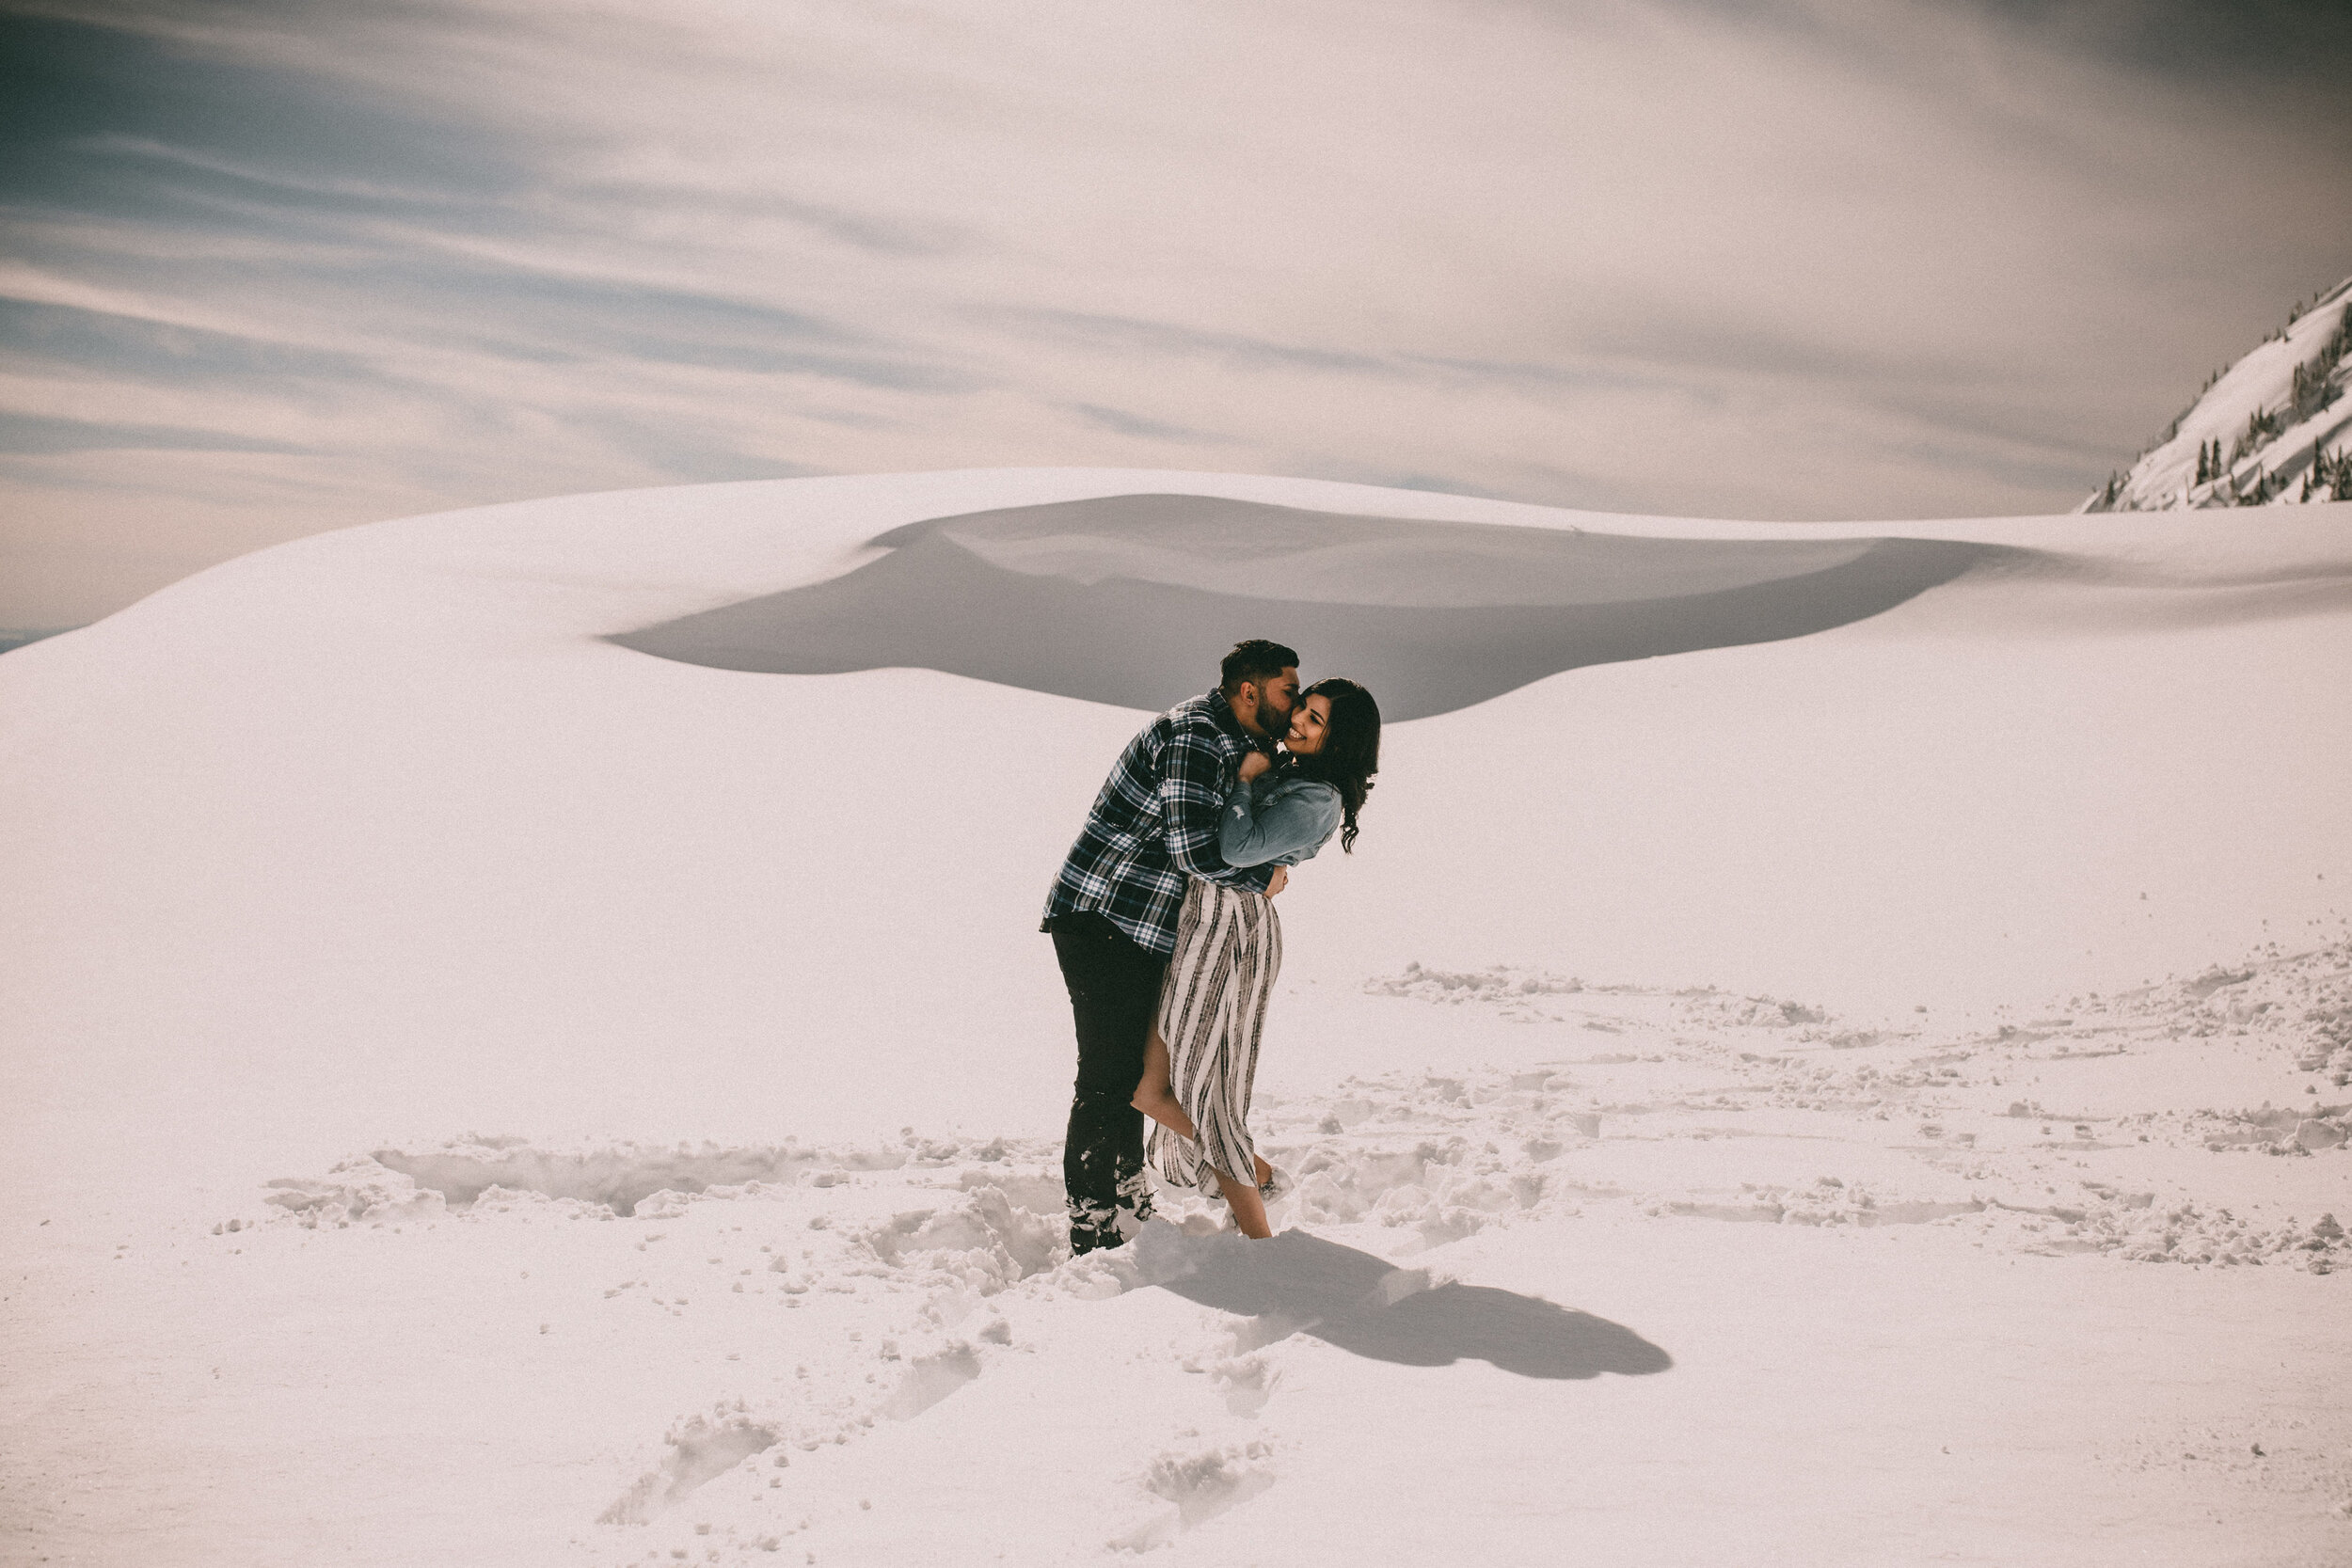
(277, 265)
(1124, 336)
(1119, 421)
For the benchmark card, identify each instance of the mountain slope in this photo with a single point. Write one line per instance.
(2274, 429)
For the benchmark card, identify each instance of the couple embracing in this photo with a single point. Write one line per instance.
(1163, 921)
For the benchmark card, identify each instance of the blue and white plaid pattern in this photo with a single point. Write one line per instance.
(1155, 823)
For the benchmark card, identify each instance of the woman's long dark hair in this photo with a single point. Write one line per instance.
(1351, 748)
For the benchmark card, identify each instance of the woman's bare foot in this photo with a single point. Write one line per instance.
(1156, 1097)
(1248, 1208)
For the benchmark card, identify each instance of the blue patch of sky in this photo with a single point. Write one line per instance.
(1681, 338)
(111, 123)
(682, 451)
(1121, 422)
(37, 434)
(1611, 378)
(2020, 472)
(1544, 484)
(1127, 334)
(153, 351)
(1995, 420)
(608, 319)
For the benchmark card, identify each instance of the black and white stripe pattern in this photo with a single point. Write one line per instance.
(1229, 949)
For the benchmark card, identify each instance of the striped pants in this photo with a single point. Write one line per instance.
(1229, 949)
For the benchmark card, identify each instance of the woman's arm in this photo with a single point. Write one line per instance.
(1251, 835)
(1191, 770)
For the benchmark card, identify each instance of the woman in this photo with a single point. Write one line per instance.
(1202, 1057)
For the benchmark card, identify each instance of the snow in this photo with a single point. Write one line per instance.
(478, 1090)
(2267, 466)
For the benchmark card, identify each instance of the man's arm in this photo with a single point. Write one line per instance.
(1192, 806)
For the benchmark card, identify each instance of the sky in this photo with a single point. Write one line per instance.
(269, 267)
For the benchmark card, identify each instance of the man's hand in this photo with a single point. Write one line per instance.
(1281, 880)
(1253, 765)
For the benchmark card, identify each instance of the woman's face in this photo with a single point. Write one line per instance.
(1310, 725)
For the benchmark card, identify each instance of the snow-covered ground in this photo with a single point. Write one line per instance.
(478, 1091)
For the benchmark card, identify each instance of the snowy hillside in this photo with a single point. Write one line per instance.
(524, 1041)
(2274, 429)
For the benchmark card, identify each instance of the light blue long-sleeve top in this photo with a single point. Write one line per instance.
(1278, 819)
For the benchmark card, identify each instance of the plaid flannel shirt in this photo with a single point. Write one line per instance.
(1155, 823)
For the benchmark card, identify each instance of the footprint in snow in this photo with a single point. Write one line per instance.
(1196, 1486)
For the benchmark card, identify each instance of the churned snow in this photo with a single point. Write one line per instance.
(498, 1072)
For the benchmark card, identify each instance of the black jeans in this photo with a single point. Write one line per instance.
(1113, 991)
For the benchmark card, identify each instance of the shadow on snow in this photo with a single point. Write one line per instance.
(1129, 599)
(1299, 1283)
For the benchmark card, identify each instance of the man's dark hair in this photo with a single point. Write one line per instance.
(1256, 660)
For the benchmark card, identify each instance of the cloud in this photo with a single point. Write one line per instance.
(2274, 44)
(1785, 260)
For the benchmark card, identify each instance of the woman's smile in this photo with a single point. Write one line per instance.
(1309, 723)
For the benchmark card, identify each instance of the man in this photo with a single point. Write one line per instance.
(1114, 908)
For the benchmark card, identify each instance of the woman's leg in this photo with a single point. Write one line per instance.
(1248, 1208)
(1156, 1097)
(1219, 947)
(1266, 949)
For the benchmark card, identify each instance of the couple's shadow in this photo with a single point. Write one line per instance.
(1299, 1283)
